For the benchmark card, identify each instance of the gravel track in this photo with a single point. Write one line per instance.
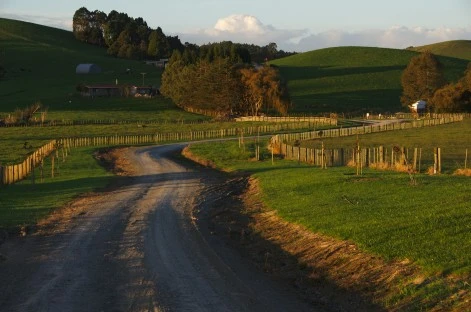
(137, 248)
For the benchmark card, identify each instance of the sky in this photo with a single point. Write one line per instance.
(294, 25)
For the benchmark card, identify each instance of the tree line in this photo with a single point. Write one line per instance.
(224, 85)
(423, 79)
(132, 38)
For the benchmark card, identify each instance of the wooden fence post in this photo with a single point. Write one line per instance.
(439, 152)
(414, 161)
(466, 160)
(437, 163)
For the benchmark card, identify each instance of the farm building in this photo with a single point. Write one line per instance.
(160, 63)
(87, 69)
(418, 107)
(108, 90)
(102, 90)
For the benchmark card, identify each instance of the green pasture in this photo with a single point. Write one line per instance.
(24, 203)
(380, 211)
(453, 140)
(40, 65)
(352, 80)
(15, 139)
(457, 48)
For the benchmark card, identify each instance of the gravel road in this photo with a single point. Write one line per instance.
(137, 248)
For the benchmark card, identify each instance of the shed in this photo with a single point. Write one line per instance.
(418, 106)
(102, 90)
(87, 69)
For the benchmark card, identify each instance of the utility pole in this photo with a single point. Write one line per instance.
(143, 75)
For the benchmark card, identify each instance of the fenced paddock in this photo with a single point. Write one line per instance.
(432, 160)
(365, 129)
(416, 159)
(313, 120)
(10, 174)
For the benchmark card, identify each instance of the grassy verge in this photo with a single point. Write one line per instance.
(24, 203)
(428, 224)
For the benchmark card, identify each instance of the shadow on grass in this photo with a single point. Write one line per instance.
(312, 72)
(377, 101)
(228, 224)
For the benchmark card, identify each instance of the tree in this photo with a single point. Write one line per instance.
(422, 77)
(467, 78)
(88, 26)
(159, 46)
(116, 23)
(203, 85)
(81, 24)
(263, 88)
(448, 99)
(454, 98)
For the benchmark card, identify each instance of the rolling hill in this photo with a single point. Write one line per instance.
(40, 65)
(352, 80)
(457, 48)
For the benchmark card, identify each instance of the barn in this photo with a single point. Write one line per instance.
(87, 69)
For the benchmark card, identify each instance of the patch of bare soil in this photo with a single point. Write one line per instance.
(333, 273)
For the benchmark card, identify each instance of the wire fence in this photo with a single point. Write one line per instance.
(10, 174)
(416, 159)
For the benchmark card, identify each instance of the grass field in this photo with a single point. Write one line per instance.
(14, 138)
(352, 80)
(381, 212)
(453, 139)
(24, 203)
(458, 48)
(428, 228)
(40, 66)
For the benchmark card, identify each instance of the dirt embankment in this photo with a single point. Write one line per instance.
(322, 267)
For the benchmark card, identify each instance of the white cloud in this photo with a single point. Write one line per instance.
(249, 29)
(243, 29)
(397, 37)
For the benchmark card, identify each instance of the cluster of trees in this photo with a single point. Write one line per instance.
(132, 38)
(224, 85)
(124, 36)
(423, 79)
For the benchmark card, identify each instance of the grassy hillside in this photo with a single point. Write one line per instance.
(40, 65)
(352, 79)
(457, 48)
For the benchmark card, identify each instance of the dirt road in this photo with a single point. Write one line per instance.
(136, 248)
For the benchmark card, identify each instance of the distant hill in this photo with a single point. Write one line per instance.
(457, 48)
(352, 80)
(40, 63)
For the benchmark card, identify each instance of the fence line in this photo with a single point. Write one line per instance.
(341, 157)
(339, 132)
(399, 158)
(10, 174)
(13, 173)
(322, 120)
